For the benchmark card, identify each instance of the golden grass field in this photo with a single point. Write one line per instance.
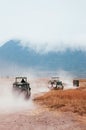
(68, 100)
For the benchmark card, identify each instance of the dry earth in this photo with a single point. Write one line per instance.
(41, 119)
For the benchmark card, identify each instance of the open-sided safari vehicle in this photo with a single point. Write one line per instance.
(55, 83)
(21, 85)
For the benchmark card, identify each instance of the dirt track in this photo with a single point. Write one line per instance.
(41, 119)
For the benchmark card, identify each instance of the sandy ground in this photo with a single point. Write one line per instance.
(33, 117)
(41, 120)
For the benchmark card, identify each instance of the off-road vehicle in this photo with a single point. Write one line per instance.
(55, 83)
(21, 85)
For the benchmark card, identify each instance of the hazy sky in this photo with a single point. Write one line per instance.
(53, 23)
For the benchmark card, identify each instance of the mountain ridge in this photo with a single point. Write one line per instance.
(13, 52)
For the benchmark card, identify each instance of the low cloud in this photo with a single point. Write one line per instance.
(78, 43)
(54, 25)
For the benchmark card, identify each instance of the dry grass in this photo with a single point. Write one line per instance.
(67, 100)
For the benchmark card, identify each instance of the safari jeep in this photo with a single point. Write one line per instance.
(55, 84)
(22, 86)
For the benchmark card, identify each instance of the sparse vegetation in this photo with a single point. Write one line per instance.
(67, 100)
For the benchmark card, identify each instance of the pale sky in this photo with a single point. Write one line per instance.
(53, 23)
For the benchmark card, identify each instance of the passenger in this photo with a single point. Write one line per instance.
(22, 81)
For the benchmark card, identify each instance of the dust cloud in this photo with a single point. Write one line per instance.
(13, 102)
(67, 79)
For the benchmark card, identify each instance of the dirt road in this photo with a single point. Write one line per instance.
(41, 119)
(38, 118)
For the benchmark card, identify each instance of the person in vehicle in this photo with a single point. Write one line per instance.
(22, 81)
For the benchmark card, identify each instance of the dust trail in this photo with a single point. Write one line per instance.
(67, 79)
(9, 102)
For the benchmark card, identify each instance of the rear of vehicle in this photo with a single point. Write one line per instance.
(22, 87)
(55, 84)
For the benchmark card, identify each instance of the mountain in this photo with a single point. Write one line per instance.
(12, 52)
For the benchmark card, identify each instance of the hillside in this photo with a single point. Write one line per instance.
(13, 52)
